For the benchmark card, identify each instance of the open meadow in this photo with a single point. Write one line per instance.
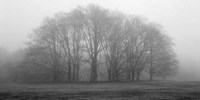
(155, 90)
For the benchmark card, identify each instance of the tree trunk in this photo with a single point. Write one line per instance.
(117, 76)
(133, 74)
(74, 73)
(109, 75)
(151, 66)
(69, 71)
(138, 76)
(129, 71)
(114, 72)
(151, 76)
(94, 70)
(55, 74)
(128, 75)
(77, 72)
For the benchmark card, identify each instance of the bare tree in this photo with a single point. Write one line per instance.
(46, 36)
(135, 46)
(114, 47)
(160, 51)
(128, 45)
(94, 35)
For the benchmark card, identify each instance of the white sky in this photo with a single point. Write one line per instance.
(180, 18)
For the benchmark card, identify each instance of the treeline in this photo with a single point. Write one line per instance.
(94, 42)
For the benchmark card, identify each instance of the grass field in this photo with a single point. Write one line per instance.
(155, 90)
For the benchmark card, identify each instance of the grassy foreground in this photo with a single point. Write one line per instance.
(155, 90)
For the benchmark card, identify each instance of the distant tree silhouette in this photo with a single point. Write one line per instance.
(126, 45)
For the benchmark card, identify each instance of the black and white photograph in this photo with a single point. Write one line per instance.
(99, 49)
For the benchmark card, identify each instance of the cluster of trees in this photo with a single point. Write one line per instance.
(3, 58)
(9, 64)
(99, 42)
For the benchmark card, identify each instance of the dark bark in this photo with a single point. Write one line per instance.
(151, 63)
(55, 78)
(94, 58)
(77, 72)
(133, 74)
(128, 78)
(74, 73)
(94, 70)
(138, 75)
(109, 74)
(69, 71)
(150, 76)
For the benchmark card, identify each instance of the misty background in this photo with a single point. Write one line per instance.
(179, 18)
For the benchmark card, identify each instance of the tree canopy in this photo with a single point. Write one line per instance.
(97, 43)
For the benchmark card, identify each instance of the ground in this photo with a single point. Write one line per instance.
(155, 90)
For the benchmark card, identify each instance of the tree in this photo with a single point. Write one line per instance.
(4, 55)
(114, 47)
(12, 64)
(160, 55)
(127, 45)
(70, 37)
(35, 66)
(46, 37)
(95, 29)
(77, 21)
(135, 46)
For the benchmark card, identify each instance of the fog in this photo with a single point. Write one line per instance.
(179, 18)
